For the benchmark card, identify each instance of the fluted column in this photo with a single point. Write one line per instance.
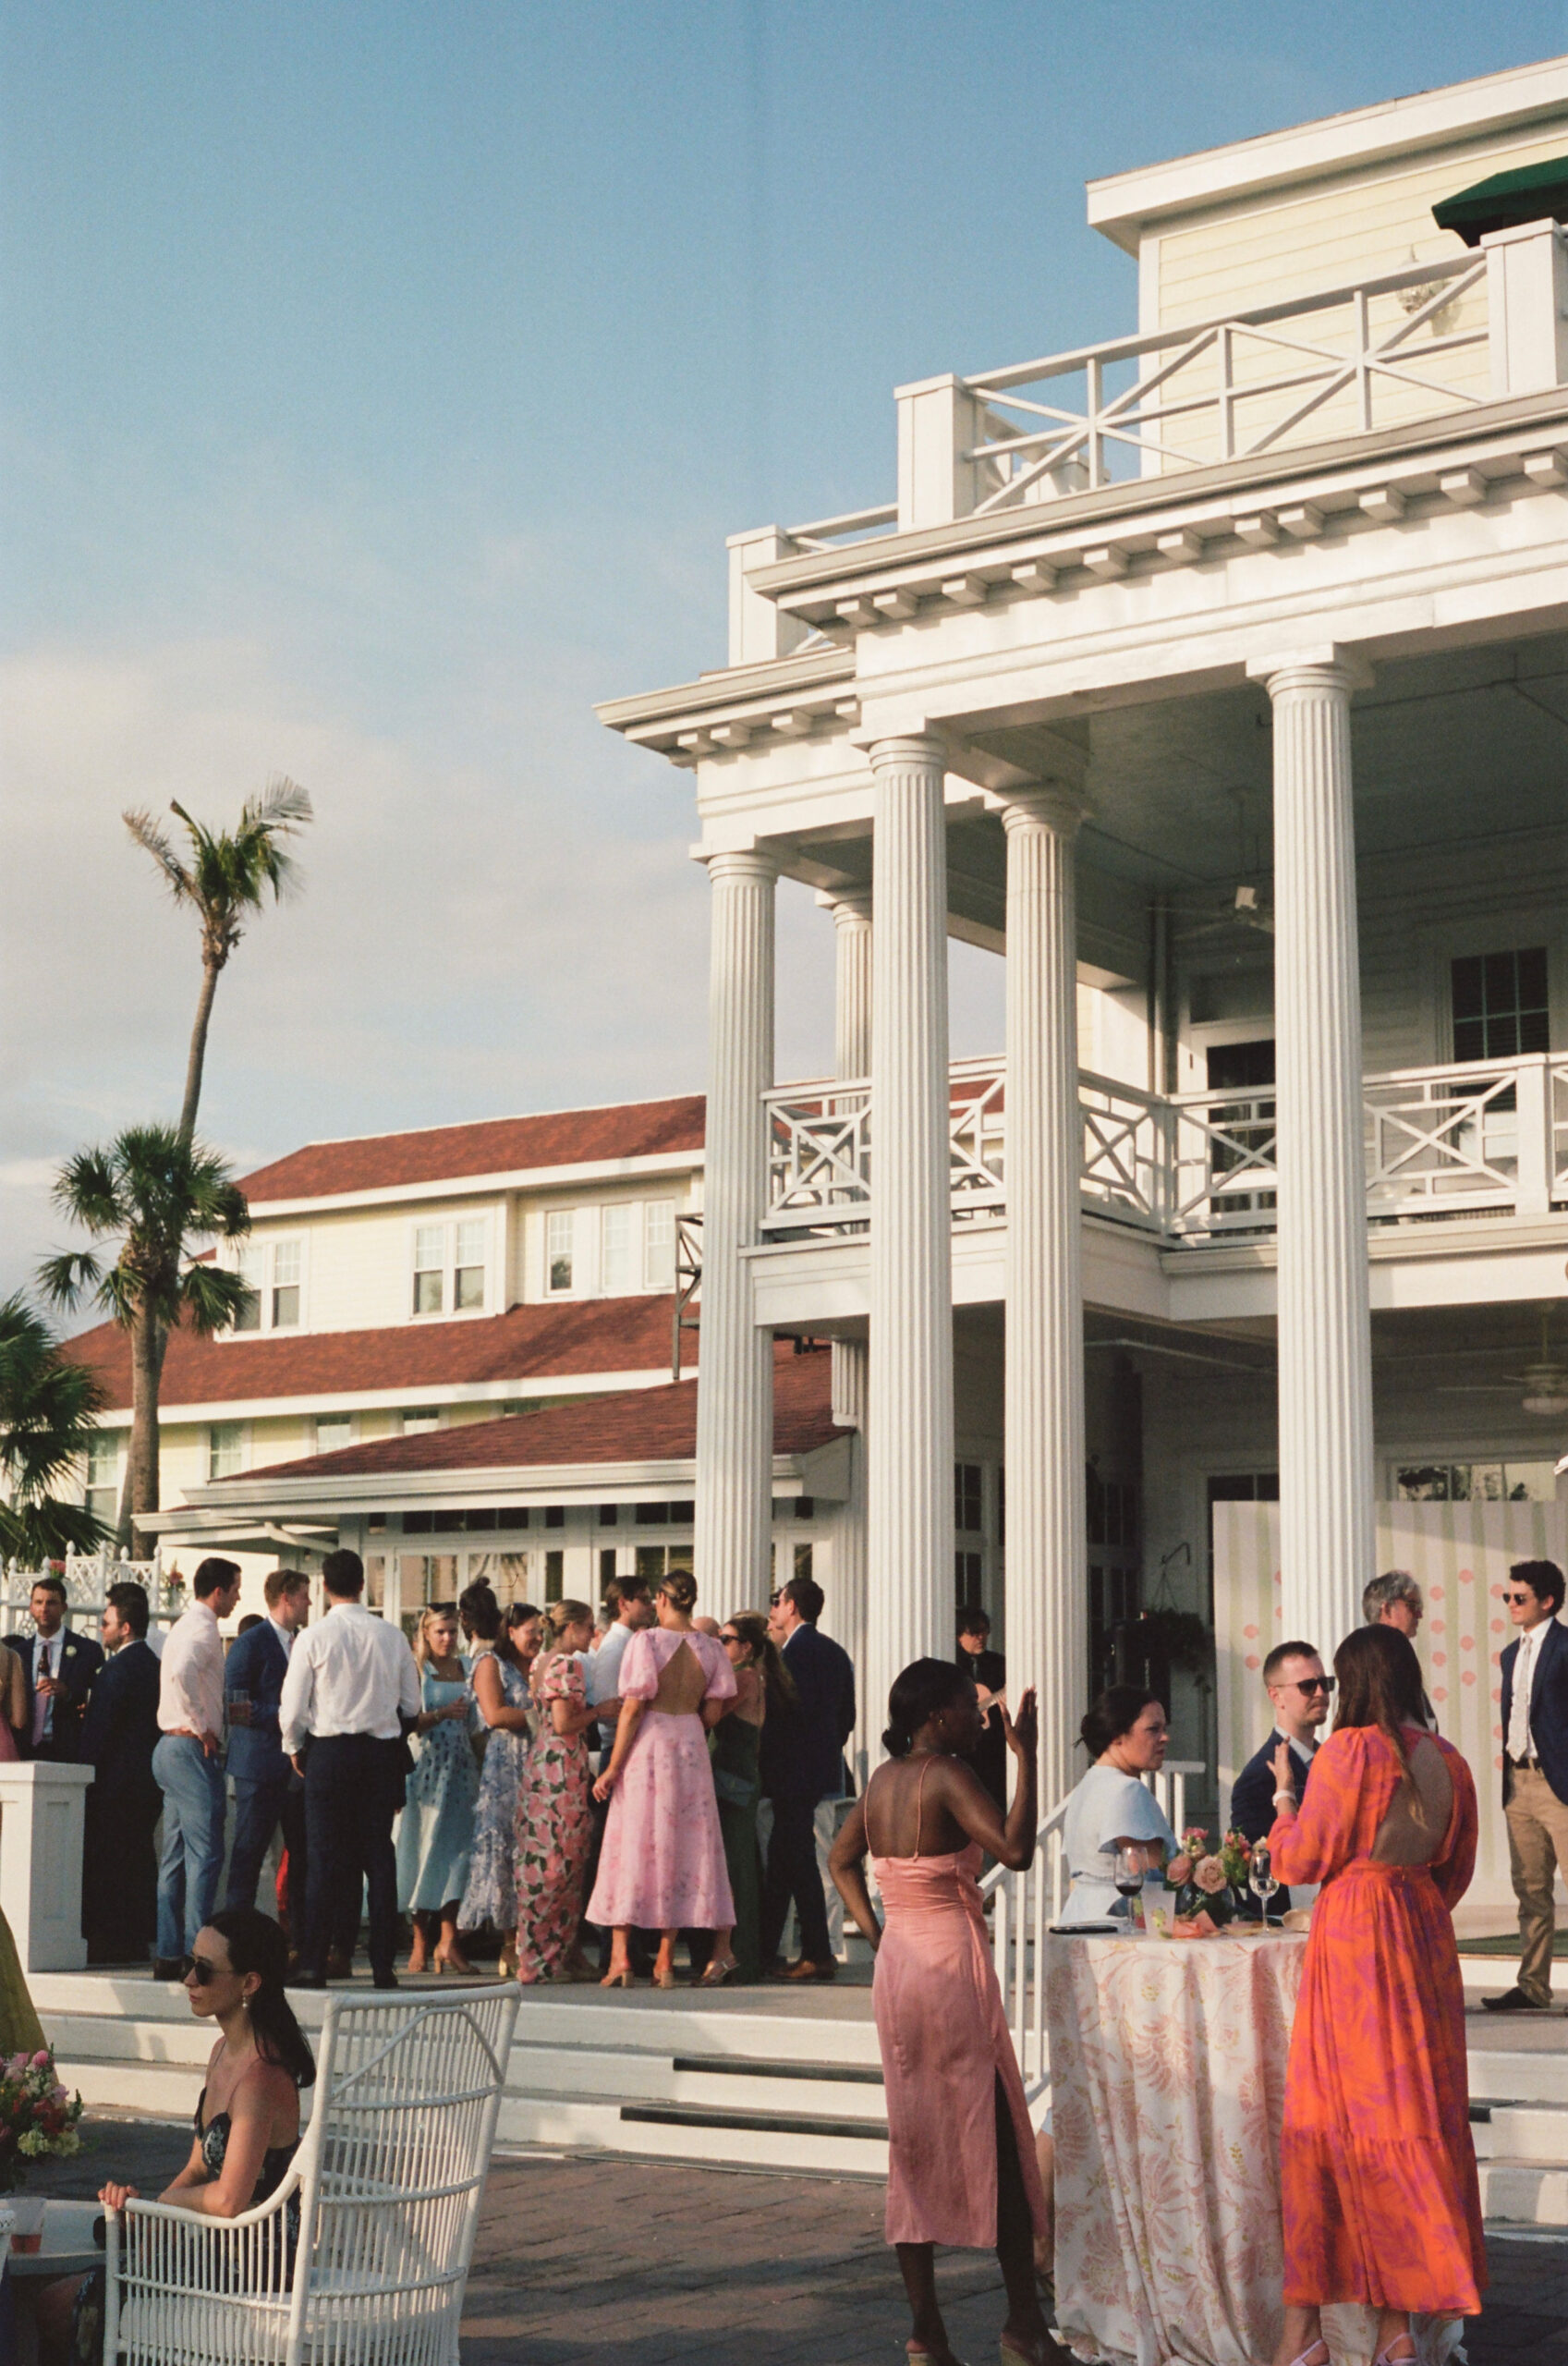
(1326, 1494)
(1047, 1556)
(846, 1613)
(735, 1370)
(909, 1406)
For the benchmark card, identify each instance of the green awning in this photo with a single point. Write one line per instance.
(1532, 193)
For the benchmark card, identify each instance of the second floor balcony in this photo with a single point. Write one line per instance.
(1488, 1139)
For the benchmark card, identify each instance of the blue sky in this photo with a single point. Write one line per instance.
(378, 384)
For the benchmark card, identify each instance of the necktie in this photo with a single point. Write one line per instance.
(42, 1703)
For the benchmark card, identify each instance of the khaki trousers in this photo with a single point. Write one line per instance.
(1537, 1844)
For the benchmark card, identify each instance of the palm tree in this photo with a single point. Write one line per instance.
(46, 1409)
(223, 878)
(151, 1192)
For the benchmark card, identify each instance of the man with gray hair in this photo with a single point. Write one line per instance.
(1394, 1599)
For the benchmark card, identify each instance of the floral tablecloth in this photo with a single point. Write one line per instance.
(1168, 2078)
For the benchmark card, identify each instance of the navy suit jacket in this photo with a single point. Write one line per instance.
(802, 1747)
(256, 1664)
(1252, 1801)
(80, 1661)
(120, 1730)
(1549, 1708)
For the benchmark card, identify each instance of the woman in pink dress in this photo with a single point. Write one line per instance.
(961, 2152)
(663, 1864)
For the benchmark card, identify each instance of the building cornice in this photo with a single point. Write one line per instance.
(793, 695)
(516, 1391)
(392, 1196)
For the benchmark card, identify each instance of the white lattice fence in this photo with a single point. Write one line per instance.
(88, 1578)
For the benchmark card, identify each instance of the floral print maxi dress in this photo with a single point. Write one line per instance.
(491, 1894)
(554, 1828)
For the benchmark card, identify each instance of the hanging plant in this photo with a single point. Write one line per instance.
(1177, 1639)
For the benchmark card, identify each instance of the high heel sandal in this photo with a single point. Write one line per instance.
(1307, 2358)
(506, 1967)
(715, 1975)
(665, 1979)
(626, 1979)
(1387, 2357)
(915, 2352)
(1012, 2355)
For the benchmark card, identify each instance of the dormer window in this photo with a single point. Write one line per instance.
(559, 1246)
(273, 1275)
(451, 1267)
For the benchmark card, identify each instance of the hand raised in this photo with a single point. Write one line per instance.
(1021, 1730)
(1284, 1772)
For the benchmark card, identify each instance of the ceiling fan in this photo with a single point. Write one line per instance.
(1545, 1381)
(1244, 906)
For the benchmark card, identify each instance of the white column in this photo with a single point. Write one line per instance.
(909, 1406)
(846, 1609)
(1047, 1595)
(1325, 1344)
(734, 1368)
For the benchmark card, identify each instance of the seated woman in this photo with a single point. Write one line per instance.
(1381, 2201)
(961, 2165)
(1125, 1733)
(246, 2120)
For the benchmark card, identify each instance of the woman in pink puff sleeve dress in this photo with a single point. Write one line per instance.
(662, 1867)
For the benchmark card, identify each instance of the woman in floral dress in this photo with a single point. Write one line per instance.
(500, 1676)
(554, 1819)
(436, 1828)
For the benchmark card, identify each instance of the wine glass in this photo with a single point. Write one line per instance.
(1261, 1878)
(1131, 1867)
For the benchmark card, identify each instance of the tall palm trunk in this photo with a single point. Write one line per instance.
(147, 1346)
(198, 1053)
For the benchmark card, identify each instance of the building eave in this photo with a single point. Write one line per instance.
(462, 1186)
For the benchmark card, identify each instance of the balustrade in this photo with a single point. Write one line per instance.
(1490, 1137)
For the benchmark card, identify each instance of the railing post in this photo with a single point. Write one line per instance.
(938, 422)
(1532, 1101)
(1528, 307)
(759, 628)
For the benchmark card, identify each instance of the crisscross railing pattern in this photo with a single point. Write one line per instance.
(383, 2194)
(1436, 1135)
(1237, 386)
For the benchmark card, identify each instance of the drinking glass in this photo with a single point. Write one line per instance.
(1131, 1867)
(1261, 1876)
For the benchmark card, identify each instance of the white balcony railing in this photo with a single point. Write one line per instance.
(1489, 1138)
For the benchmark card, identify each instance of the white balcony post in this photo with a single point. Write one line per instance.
(846, 1608)
(1325, 1344)
(760, 631)
(1047, 1552)
(42, 1812)
(909, 1405)
(734, 1367)
(1532, 1102)
(938, 422)
(1526, 307)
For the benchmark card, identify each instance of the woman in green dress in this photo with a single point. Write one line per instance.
(761, 1676)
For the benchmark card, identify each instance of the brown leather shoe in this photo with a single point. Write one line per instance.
(803, 1969)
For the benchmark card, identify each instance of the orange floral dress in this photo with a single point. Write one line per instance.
(1381, 2201)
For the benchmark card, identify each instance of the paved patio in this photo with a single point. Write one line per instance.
(625, 2264)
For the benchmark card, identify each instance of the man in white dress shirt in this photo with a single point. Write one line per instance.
(188, 1766)
(350, 1695)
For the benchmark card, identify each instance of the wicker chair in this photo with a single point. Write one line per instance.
(385, 2191)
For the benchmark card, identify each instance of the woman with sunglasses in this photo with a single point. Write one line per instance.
(1380, 2198)
(763, 1682)
(247, 2121)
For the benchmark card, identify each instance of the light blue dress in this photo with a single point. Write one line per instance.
(491, 1894)
(1108, 1806)
(436, 1830)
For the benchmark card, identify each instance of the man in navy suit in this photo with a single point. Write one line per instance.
(1299, 1693)
(267, 1791)
(60, 1669)
(802, 1761)
(1535, 1771)
(119, 1865)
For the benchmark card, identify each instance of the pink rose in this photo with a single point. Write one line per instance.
(1210, 1875)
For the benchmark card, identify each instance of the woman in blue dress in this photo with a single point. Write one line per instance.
(436, 1830)
(498, 1670)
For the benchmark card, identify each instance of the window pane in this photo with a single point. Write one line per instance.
(554, 1576)
(249, 1267)
(285, 1307)
(333, 1430)
(223, 1444)
(1499, 1005)
(471, 1241)
(650, 1563)
(560, 1226)
(428, 1293)
(658, 1245)
(429, 1248)
(468, 1287)
(419, 1419)
(285, 1261)
(103, 1458)
(617, 1276)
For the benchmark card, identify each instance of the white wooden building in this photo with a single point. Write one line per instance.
(1216, 679)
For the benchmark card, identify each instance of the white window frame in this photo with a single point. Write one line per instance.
(448, 1228)
(352, 1439)
(261, 1253)
(570, 1216)
(242, 1449)
(656, 1283)
(624, 1213)
(110, 1442)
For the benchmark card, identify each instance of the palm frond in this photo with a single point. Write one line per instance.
(63, 1278)
(154, 840)
(88, 1190)
(211, 1298)
(34, 1533)
(47, 1405)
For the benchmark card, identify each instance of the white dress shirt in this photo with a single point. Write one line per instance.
(190, 1689)
(349, 1674)
(46, 1654)
(283, 1634)
(1520, 1741)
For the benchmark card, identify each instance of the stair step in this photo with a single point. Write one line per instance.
(753, 2123)
(1531, 2193)
(739, 2066)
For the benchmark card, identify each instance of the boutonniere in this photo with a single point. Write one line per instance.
(70, 1652)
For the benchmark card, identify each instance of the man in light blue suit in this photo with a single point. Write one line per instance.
(267, 1791)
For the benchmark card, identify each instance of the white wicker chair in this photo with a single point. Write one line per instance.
(388, 2181)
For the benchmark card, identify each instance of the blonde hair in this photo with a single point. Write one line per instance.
(677, 1585)
(559, 1616)
(422, 1652)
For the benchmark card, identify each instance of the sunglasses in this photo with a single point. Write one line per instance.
(1315, 1684)
(203, 1972)
(725, 1637)
(1526, 1596)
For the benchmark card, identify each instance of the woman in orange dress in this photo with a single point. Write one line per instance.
(961, 2153)
(1381, 2201)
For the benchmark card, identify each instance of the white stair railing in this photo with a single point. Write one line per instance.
(1025, 1905)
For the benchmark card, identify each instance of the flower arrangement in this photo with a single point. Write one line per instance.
(38, 2119)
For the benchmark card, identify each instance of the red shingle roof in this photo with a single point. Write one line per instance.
(527, 1343)
(627, 1425)
(497, 1146)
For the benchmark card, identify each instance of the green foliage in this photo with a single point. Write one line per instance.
(149, 1194)
(1175, 1638)
(224, 875)
(46, 1417)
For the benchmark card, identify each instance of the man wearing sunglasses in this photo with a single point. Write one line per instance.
(1535, 1771)
(1301, 1695)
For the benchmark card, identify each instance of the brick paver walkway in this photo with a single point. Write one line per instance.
(614, 2262)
